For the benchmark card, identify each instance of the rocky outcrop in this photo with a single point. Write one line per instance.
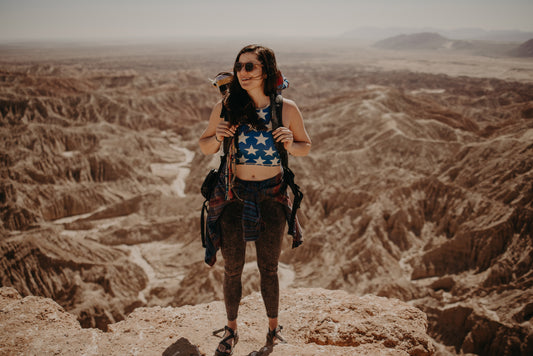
(316, 321)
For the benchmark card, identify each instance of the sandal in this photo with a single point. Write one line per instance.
(228, 349)
(275, 334)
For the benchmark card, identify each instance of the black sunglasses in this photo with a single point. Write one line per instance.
(247, 66)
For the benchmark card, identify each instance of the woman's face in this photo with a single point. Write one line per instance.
(253, 79)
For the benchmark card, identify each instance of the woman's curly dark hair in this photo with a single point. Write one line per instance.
(239, 105)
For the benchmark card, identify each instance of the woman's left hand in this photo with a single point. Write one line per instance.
(283, 134)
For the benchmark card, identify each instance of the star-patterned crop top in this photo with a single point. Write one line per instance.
(257, 147)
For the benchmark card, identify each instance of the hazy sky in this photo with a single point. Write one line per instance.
(71, 19)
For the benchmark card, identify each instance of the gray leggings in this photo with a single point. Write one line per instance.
(268, 249)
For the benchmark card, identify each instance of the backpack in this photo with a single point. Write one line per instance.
(211, 180)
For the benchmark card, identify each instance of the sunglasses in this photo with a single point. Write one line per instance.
(247, 66)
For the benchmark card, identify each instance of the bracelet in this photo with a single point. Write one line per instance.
(216, 139)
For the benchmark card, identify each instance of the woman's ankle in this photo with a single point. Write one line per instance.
(272, 324)
(232, 324)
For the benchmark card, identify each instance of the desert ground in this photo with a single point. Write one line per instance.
(419, 184)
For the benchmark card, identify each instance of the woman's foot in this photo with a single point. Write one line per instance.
(275, 335)
(228, 342)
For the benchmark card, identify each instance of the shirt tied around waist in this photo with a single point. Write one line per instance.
(251, 194)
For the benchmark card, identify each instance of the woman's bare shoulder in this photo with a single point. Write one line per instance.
(289, 102)
(290, 107)
(217, 109)
(218, 105)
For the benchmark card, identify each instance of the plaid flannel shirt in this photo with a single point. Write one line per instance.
(251, 194)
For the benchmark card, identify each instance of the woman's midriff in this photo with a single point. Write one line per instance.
(256, 173)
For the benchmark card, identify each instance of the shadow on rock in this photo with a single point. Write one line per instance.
(182, 347)
(264, 351)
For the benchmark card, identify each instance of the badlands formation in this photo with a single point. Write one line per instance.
(418, 197)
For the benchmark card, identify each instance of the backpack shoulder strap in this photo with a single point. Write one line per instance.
(276, 102)
(288, 176)
(227, 140)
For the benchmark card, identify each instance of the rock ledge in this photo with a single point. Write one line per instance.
(317, 321)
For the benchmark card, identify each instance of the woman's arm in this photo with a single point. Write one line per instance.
(293, 134)
(215, 131)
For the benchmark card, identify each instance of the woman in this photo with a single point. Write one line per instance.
(251, 203)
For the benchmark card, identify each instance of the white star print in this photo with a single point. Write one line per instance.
(262, 114)
(243, 137)
(269, 152)
(275, 161)
(261, 139)
(251, 150)
(259, 161)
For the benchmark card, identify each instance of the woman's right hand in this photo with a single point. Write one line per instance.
(224, 129)
(215, 131)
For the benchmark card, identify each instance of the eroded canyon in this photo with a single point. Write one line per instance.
(419, 185)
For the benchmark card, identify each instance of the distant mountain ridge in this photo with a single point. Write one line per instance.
(376, 33)
(524, 50)
(434, 41)
(424, 40)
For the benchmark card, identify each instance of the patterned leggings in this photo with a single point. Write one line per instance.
(268, 249)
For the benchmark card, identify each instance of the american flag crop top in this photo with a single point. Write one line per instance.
(257, 147)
